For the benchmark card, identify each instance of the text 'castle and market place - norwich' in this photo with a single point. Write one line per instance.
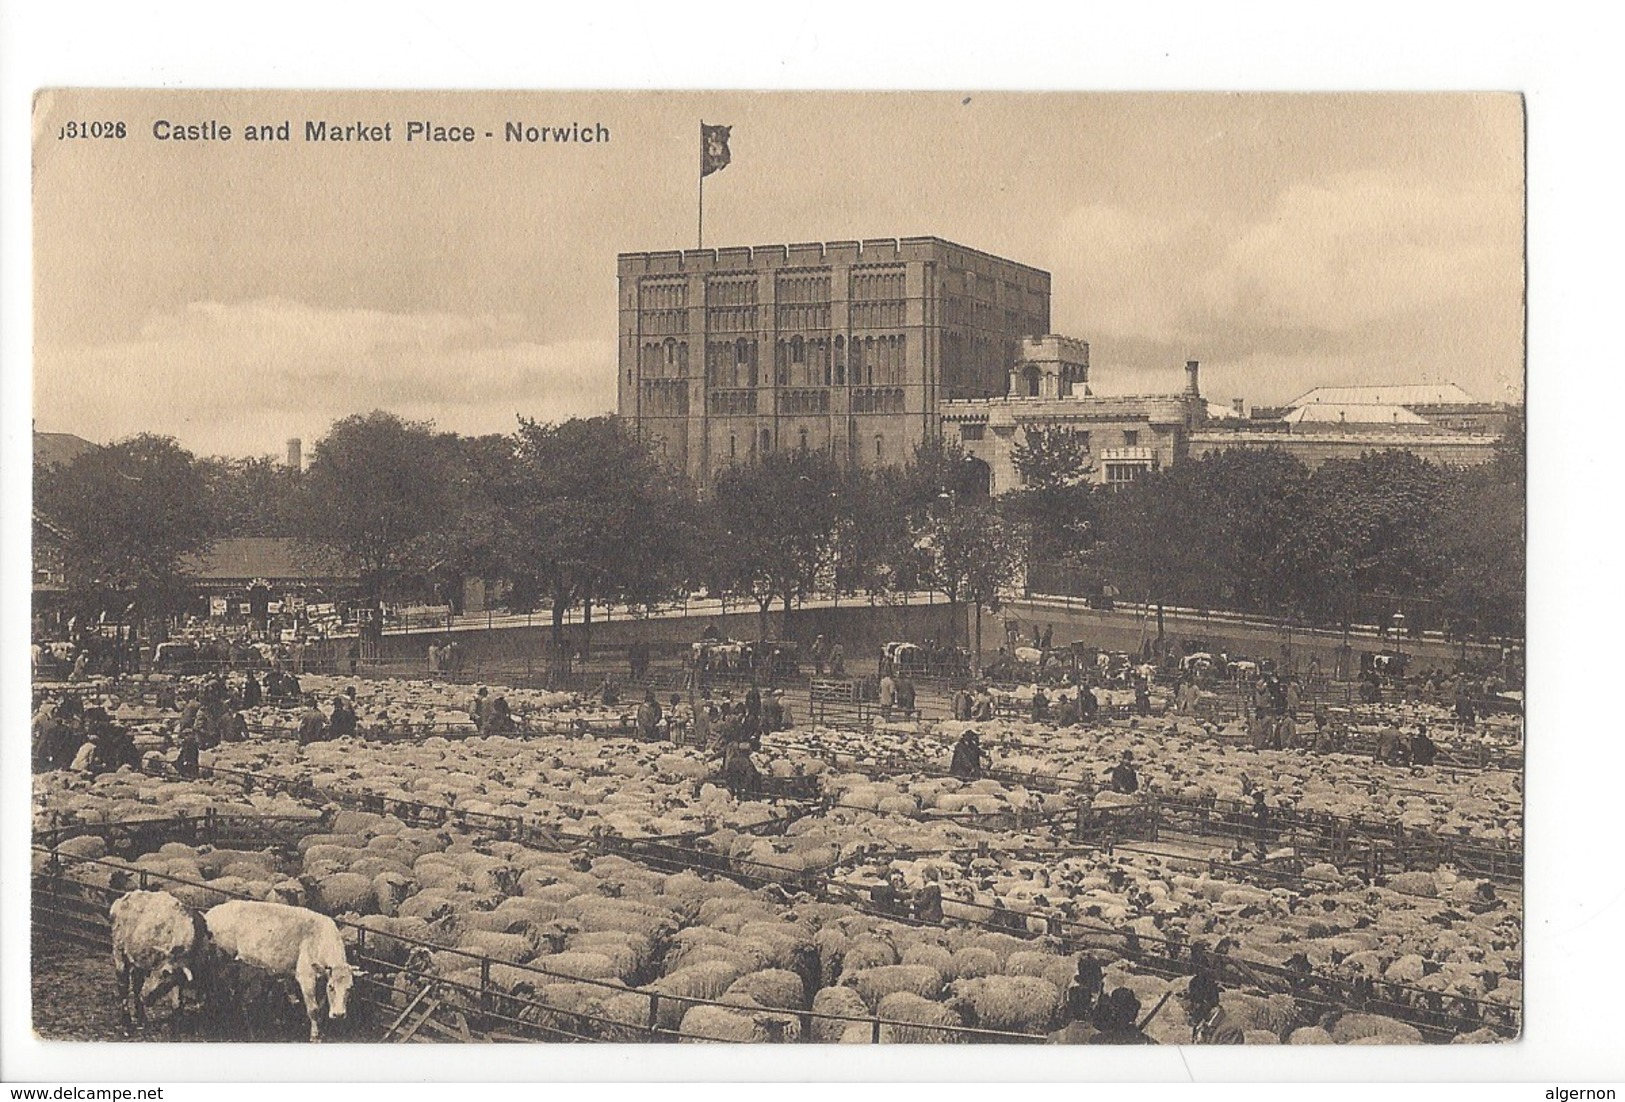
(415, 130)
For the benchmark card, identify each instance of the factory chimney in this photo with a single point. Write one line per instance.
(296, 454)
(1192, 386)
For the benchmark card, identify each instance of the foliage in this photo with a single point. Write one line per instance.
(255, 496)
(127, 516)
(1057, 506)
(377, 490)
(771, 528)
(591, 516)
(969, 551)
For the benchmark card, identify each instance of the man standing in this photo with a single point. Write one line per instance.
(313, 724)
(649, 717)
(820, 655)
(1124, 779)
(888, 695)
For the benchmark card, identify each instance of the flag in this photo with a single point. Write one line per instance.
(714, 156)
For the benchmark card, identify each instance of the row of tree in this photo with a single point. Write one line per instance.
(580, 514)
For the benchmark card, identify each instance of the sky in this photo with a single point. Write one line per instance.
(234, 294)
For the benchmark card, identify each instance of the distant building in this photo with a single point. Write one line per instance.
(236, 578)
(1438, 421)
(1443, 405)
(1124, 436)
(56, 449)
(847, 347)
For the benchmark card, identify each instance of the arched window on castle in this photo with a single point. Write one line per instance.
(802, 439)
(840, 361)
(767, 441)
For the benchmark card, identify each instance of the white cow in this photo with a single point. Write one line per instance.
(158, 944)
(288, 941)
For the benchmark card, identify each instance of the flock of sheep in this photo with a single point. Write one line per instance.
(591, 939)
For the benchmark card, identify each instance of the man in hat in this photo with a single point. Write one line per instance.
(1124, 779)
(969, 757)
(1119, 1020)
(312, 724)
(649, 717)
(1210, 1025)
(928, 900)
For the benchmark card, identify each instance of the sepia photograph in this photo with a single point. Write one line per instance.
(863, 568)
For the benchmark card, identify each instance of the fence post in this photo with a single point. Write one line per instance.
(485, 988)
(654, 1011)
(874, 1029)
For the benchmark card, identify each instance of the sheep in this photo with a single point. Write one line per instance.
(1017, 1004)
(874, 984)
(715, 1023)
(1309, 1035)
(629, 954)
(341, 892)
(905, 1006)
(1059, 970)
(1360, 1028)
(934, 956)
(774, 987)
(868, 951)
(839, 1002)
(706, 980)
(973, 961)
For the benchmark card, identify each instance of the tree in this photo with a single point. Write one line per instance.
(1379, 517)
(1056, 507)
(256, 496)
(771, 528)
(591, 517)
(1148, 545)
(378, 488)
(476, 543)
(128, 516)
(971, 554)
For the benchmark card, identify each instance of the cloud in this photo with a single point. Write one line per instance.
(1358, 266)
(240, 377)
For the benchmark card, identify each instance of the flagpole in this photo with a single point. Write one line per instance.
(701, 243)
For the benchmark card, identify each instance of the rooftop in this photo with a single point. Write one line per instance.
(1412, 394)
(1354, 414)
(248, 558)
(54, 449)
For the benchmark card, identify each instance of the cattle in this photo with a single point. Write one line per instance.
(158, 947)
(288, 941)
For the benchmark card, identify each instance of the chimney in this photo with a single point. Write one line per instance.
(1192, 369)
(1239, 405)
(296, 455)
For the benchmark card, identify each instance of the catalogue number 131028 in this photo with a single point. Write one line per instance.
(91, 130)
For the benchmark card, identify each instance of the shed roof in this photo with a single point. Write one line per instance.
(269, 557)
